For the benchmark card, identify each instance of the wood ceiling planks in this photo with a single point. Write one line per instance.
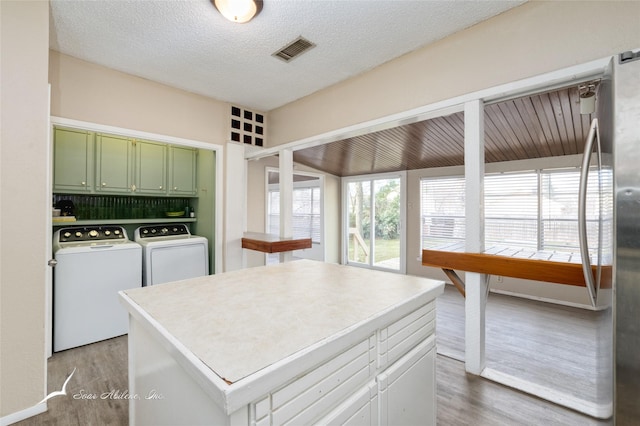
(536, 126)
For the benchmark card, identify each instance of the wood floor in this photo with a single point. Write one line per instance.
(101, 373)
(563, 348)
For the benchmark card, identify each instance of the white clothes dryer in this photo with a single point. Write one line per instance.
(94, 263)
(171, 253)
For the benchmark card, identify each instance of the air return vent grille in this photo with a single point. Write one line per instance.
(294, 49)
(247, 126)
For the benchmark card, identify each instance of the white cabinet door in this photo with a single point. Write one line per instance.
(407, 389)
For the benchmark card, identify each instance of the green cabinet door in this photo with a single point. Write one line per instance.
(114, 164)
(182, 171)
(151, 168)
(72, 161)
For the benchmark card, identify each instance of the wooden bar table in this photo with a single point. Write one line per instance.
(270, 243)
(556, 268)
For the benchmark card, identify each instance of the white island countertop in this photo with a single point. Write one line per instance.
(261, 320)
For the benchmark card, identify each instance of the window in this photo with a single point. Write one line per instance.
(535, 209)
(511, 209)
(306, 211)
(442, 204)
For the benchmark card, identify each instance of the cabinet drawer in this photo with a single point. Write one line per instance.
(323, 388)
(359, 409)
(406, 333)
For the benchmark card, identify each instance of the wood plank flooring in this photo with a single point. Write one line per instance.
(559, 347)
(462, 399)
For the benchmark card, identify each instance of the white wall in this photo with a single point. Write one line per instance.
(24, 198)
(88, 92)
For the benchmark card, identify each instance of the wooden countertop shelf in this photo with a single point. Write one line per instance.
(269, 243)
(533, 265)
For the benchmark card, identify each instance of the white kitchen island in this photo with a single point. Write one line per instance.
(296, 343)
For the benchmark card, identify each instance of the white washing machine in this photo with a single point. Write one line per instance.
(171, 253)
(93, 264)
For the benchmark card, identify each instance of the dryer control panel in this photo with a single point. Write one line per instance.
(91, 233)
(167, 230)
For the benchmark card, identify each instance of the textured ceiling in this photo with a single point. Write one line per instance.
(189, 45)
(536, 126)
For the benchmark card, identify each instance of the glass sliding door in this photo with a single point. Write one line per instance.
(374, 218)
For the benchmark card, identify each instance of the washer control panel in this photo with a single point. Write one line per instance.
(168, 230)
(91, 233)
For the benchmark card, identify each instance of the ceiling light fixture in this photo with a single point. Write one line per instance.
(239, 11)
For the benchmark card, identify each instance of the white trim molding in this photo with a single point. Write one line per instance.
(18, 416)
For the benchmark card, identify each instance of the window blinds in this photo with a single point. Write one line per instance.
(442, 209)
(511, 209)
(533, 209)
(306, 213)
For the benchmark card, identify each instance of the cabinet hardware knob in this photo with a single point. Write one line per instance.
(83, 183)
(160, 187)
(175, 188)
(104, 183)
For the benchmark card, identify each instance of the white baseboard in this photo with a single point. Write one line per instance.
(23, 414)
(450, 353)
(593, 409)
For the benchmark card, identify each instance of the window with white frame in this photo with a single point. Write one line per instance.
(442, 206)
(535, 209)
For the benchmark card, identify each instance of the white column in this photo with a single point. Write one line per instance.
(476, 285)
(286, 199)
(235, 206)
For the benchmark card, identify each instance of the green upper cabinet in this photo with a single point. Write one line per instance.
(150, 168)
(72, 161)
(182, 171)
(100, 163)
(114, 164)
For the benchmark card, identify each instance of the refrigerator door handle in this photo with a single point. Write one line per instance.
(593, 285)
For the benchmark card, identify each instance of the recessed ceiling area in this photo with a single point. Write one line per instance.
(191, 46)
(535, 126)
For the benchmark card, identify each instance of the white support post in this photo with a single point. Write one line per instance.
(286, 199)
(235, 206)
(476, 284)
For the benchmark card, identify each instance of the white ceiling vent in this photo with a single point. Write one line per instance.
(294, 49)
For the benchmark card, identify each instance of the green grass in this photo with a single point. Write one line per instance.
(384, 249)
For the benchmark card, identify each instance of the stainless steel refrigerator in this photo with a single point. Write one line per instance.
(626, 247)
(614, 283)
